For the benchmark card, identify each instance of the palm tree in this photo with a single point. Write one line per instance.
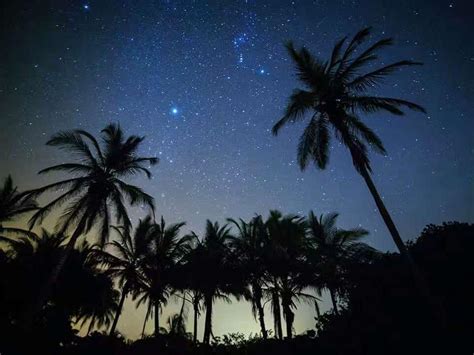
(99, 311)
(163, 254)
(331, 246)
(249, 245)
(83, 291)
(14, 204)
(335, 95)
(189, 282)
(124, 261)
(285, 255)
(96, 190)
(214, 272)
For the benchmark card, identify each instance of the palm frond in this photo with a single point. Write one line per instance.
(300, 102)
(373, 78)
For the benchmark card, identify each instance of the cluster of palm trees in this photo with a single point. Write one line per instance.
(276, 260)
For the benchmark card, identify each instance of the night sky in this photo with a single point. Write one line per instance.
(206, 80)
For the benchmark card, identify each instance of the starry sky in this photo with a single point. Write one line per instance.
(205, 81)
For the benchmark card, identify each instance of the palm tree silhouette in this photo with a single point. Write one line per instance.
(249, 245)
(188, 280)
(212, 272)
(331, 247)
(99, 311)
(163, 254)
(14, 204)
(335, 95)
(96, 191)
(124, 261)
(285, 262)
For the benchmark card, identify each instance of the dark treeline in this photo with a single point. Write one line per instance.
(79, 274)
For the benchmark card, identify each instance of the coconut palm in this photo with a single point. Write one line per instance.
(331, 248)
(13, 204)
(336, 93)
(97, 189)
(188, 281)
(100, 310)
(164, 251)
(284, 260)
(123, 260)
(214, 272)
(249, 244)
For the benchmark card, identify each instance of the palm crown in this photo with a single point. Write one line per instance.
(335, 94)
(99, 185)
(12, 205)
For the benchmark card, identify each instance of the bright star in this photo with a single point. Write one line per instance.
(86, 7)
(174, 111)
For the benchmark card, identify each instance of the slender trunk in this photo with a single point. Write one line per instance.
(286, 307)
(144, 324)
(289, 317)
(157, 319)
(119, 310)
(277, 315)
(196, 314)
(316, 307)
(418, 277)
(208, 321)
(53, 277)
(257, 291)
(91, 325)
(333, 300)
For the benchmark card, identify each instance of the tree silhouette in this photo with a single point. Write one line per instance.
(124, 261)
(163, 253)
(285, 262)
(98, 189)
(13, 204)
(249, 245)
(335, 95)
(331, 248)
(214, 271)
(99, 311)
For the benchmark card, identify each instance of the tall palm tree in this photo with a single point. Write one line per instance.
(96, 190)
(124, 261)
(331, 246)
(163, 254)
(335, 94)
(214, 271)
(249, 245)
(189, 281)
(13, 204)
(285, 255)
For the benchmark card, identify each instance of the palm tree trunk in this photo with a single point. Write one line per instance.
(257, 291)
(53, 278)
(157, 319)
(119, 310)
(144, 324)
(419, 279)
(333, 300)
(208, 321)
(289, 317)
(316, 307)
(196, 314)
(277, 315)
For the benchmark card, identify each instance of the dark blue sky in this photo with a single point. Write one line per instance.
(205, 81)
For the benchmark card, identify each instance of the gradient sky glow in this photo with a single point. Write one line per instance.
(205, 81)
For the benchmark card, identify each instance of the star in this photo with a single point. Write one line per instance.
(174, 111)
(86, 7)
